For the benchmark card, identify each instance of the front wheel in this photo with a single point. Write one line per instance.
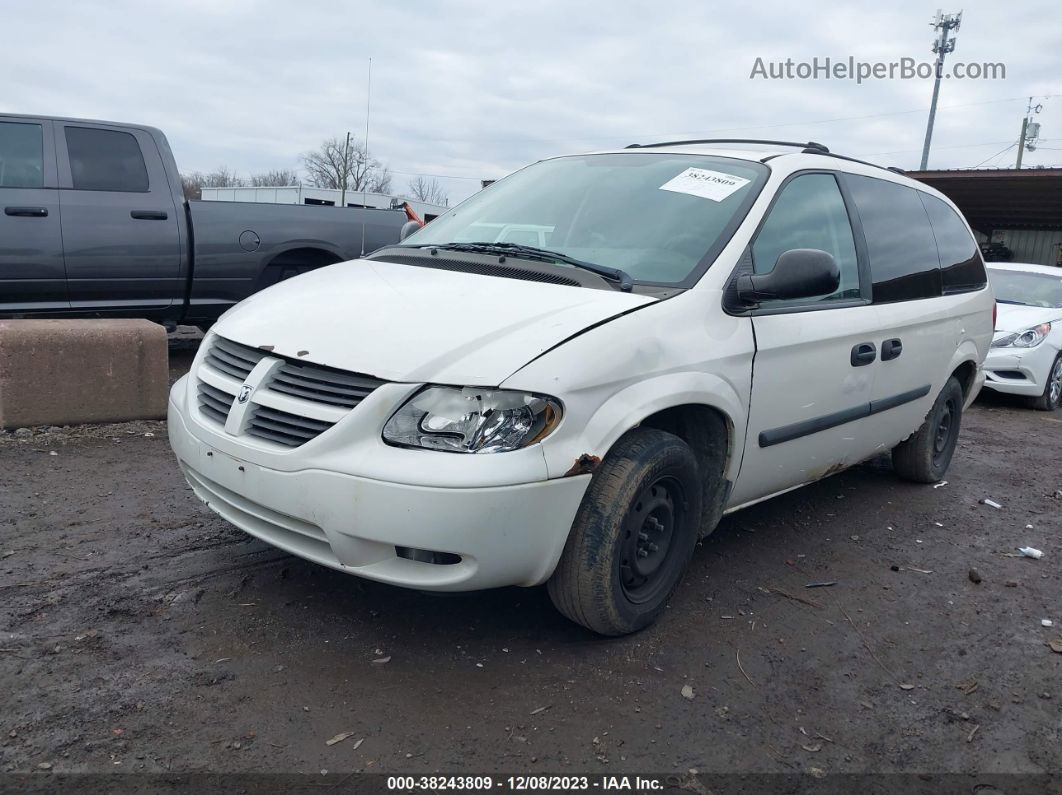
(633, 535)
(1052, 396)
(924, 457)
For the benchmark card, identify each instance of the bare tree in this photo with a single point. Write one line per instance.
(220, 177)
(333, 164)
(427, 190)
(276, 178)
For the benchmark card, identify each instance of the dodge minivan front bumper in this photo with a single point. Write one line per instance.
(418, 536)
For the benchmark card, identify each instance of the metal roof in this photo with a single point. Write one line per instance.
(1029, 198)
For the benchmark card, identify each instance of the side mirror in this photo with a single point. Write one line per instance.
(798, 273)
(408, 228)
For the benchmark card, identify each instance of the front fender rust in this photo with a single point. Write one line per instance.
(585, 464)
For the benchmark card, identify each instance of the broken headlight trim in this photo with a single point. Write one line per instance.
(1029, 338)
(472, 420)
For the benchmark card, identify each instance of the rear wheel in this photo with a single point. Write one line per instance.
(633, 535)
(925, 456)
(1052, 395)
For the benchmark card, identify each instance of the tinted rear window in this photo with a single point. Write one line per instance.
(105, 160)
(961, 268)
(21, 155)
(900, 242)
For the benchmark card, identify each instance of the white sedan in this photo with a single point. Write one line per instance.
(1025, 357)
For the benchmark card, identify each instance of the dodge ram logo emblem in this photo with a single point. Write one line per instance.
(245, 393)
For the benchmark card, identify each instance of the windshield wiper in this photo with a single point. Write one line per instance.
(626, 283)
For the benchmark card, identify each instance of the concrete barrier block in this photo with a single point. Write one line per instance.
(65, 372)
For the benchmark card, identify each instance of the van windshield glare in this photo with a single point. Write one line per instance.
(655, 216)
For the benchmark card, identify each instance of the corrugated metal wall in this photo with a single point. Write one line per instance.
(1037, 246)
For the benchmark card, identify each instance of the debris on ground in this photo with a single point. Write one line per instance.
(339, 738)
(1031, 552)
(990, 503)
(820, 584)
(1056, 645)
(974, 576)
(540, 709)
(382, 660)
(942, 483)
(793, 596)
(687, 692)
(1046, 622)
(968, 686)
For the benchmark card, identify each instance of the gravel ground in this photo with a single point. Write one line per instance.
(139, 632)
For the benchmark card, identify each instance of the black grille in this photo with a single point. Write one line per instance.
(214, 403)
(290, 430)
(527, 274)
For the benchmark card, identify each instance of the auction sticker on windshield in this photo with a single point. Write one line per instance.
(714, 185)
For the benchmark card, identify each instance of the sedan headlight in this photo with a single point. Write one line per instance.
(472, 420)
(1029, 338)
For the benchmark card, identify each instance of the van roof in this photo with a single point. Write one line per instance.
(755, 149)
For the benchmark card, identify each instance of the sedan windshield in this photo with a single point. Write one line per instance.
(1030, 289)
(661, 218)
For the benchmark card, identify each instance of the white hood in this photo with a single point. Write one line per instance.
(414, 324)
(1018, 317)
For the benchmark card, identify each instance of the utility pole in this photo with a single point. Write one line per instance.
(1030, 131)
(365, 183)
(346, 170)
(942, 45)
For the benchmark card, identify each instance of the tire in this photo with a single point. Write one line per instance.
(1052, 396)
(925, 455)
(633, 535)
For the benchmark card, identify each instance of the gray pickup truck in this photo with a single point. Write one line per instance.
(95, 223)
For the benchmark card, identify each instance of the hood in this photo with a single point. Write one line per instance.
(416, 324)
(1018, 317)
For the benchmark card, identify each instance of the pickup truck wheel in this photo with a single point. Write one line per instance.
(1052, 396)
(633, 535)
(924, 457)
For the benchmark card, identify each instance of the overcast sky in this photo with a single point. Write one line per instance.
(475, 89)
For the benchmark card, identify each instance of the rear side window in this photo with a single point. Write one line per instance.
(21, 155)
(105, 160)
(900, 242)
(961, 268)
(810, 213)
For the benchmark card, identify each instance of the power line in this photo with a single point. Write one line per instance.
(997, 154)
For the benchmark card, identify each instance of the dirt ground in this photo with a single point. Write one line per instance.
(139, 632)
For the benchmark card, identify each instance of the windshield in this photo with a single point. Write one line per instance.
(1030, 289)
(655, 216)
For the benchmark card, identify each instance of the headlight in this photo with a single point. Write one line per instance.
(1029, 338)
(472, 420)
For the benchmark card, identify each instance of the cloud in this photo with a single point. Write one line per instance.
(476, 89)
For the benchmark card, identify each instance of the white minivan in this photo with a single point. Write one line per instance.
(701, 325)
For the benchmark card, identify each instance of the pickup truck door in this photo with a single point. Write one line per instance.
(121, 238)
(32, 277)
(816, 359)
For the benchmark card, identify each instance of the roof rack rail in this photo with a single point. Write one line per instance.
(809, 147)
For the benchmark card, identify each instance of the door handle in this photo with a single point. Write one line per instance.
(149, 215)
(864, 353)
(891, 349)
(27, 212)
